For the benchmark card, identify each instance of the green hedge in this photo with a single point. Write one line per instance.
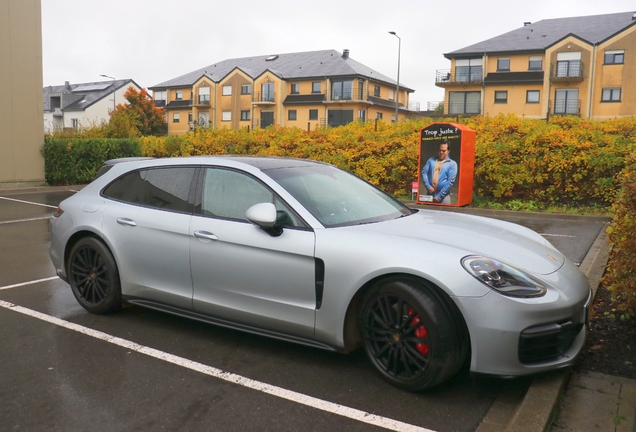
(620, 274)
(76, 160)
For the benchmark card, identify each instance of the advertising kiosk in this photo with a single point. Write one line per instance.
(446, 165)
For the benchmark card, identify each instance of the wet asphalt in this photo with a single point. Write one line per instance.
(56, 378)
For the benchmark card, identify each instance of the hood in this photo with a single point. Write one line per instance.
(509, 243)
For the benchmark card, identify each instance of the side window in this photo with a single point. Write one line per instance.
(162, 188)
(228, 194)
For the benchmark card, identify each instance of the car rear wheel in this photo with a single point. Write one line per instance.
(411, 335)
(94, 277)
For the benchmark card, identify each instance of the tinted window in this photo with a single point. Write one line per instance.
(228, 194)
(164, 188)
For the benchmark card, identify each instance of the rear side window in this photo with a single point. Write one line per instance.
(162, 188)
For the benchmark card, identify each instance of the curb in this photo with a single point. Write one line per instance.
(535, 411)
(37, 189)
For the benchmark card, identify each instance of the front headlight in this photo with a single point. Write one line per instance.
(503, 278)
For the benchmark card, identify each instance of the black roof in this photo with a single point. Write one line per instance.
(539, 36)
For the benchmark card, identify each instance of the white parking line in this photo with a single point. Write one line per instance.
(48, 216)
(272, 390)
(28, 283)
(27, 202)
(558, 235)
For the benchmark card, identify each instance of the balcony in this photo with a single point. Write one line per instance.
(565, 107)
(57, 112)
(203, 100)
(570, 70)
(459, 76)
(264, 98)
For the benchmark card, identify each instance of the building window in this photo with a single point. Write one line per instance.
(159, 95)
(245, 115)
(378, 116)
(178, 95)
(227, 90)
(391, 94)
(615, 57)
(468, 70)
(535, 63)
(501, 96)
(315, 87)
(569, 65)
(75, 123)
(611, 95)
(291, 115)
(342, 90)
(176, 117)
(313, 114)
(532, 96)
(361, 115)
(339, 117)
(204, 95)
(295, 88)
(503, 65)
(246, 89)
(376, 91)
(226, 116)
(189, 117)
(464, 103)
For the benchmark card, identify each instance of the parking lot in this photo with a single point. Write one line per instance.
(66, 369)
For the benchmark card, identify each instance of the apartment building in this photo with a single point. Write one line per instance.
(584, 66)
(305, 89)
(75, 105)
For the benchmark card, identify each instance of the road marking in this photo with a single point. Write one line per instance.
(558, 235)
(28, 283)
(272, 390)
(48, 216)
(27, 202)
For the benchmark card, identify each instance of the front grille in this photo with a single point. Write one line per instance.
(547, 342)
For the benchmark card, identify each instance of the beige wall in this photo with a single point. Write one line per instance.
(21, 104)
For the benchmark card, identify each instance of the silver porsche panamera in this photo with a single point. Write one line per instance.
(303, 251)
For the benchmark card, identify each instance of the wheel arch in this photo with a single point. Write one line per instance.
(351, 331)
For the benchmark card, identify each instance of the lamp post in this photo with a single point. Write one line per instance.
(114, 104)
(397, 91)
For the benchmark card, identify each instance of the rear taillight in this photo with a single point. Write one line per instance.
(58, 212)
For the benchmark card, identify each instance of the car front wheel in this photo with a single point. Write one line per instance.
(410, 336)
(94, 277)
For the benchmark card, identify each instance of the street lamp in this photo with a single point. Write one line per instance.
(397, 91)
(114, 104)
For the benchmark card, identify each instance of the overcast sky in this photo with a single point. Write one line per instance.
(154, 41)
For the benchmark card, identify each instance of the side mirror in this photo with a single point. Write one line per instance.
(264, 215)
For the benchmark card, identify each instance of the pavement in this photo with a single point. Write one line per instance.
(558, 401)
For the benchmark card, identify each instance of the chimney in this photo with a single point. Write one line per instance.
(67, 84)
(345, 53)
(527, 23)
(634, 17)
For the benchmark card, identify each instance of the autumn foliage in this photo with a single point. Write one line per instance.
(138, 117)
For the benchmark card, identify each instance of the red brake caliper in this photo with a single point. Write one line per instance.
(420, 332)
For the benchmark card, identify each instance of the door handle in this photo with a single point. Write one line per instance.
(126, 221)
(205, 235)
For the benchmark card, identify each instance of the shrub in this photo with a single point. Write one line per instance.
(620, 275)
(76, 160)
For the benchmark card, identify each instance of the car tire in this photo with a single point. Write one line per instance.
(94, 277)
(413, 337)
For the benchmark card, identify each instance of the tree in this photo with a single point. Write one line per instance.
(139, 117)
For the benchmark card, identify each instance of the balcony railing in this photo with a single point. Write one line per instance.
(204, 99)
(264, 97)
(464, 108)
(57, 112)
(565, 107)
(462, 75)
(570, 70)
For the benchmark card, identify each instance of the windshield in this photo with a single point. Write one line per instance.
(336, 197)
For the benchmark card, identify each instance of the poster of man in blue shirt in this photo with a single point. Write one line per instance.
(439, 174)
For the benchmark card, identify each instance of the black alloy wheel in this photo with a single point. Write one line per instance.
(409, 336)
(93, 276)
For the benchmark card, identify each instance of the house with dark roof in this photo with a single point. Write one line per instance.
(84, 104)
(305, 89)
(584, 66)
